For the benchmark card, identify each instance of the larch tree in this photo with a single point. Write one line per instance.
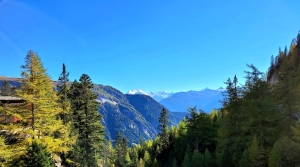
(38, 113)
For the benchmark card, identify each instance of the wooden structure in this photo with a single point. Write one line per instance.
(8, 100)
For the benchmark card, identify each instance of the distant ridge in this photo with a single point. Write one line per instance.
(158, 96)
(205, 99)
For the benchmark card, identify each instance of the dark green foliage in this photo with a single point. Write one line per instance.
(86, 123)
(208, 159)
(202, 130)
(163, 128)
(63, 93)
(186, 161)
(275, 156)
(197, 159)
(6, 89)
(38, 156)
(121, 148)
(174, 163)
(231, 144)
(155, 163)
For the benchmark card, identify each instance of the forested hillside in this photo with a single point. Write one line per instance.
(257, 125)
(134, 116)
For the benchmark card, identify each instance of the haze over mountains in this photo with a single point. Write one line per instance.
(205, 99)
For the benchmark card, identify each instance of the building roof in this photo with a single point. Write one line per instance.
(10, 99)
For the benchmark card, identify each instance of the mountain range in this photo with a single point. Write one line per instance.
(205, 99)
(135, 115)
(158, 96)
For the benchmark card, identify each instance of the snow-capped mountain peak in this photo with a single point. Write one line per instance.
(155, 95)
(138, 91)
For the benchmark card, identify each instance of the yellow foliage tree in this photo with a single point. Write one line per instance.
(38, 115)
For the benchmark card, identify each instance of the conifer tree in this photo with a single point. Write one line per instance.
(202, 130)
(107, 155)
(287, 93)
(141, 163)
(208, 160)
(155, 163)
(63, 93)
(38, 114)
(163, 128)
(186, 161)
(121, 150)
(38, 156)
(275, 156)
(181, 138)
(253, 152)
(133, 157)
(174, 163)
(86, 123)
(6, 89)
(231, 143)
(260, 109)
(147, 159)
(197, 160)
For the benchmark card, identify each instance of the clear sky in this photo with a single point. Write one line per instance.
(151, 45)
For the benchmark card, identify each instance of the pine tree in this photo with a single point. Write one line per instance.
(121, 150)
(63, 93)
(86, 123)
(38, 156)
(202, 130)
(6, 89)
(260, 109)
(231, 143)
(253, 152)
(186, 161)
(287, 93)
(208, 160)
(197, 160)
(163, 128)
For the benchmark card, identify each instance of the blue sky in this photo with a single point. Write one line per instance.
(151, 45)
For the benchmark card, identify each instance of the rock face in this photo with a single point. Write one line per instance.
(272, 79)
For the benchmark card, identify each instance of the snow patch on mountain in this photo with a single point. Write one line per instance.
(103, 100)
